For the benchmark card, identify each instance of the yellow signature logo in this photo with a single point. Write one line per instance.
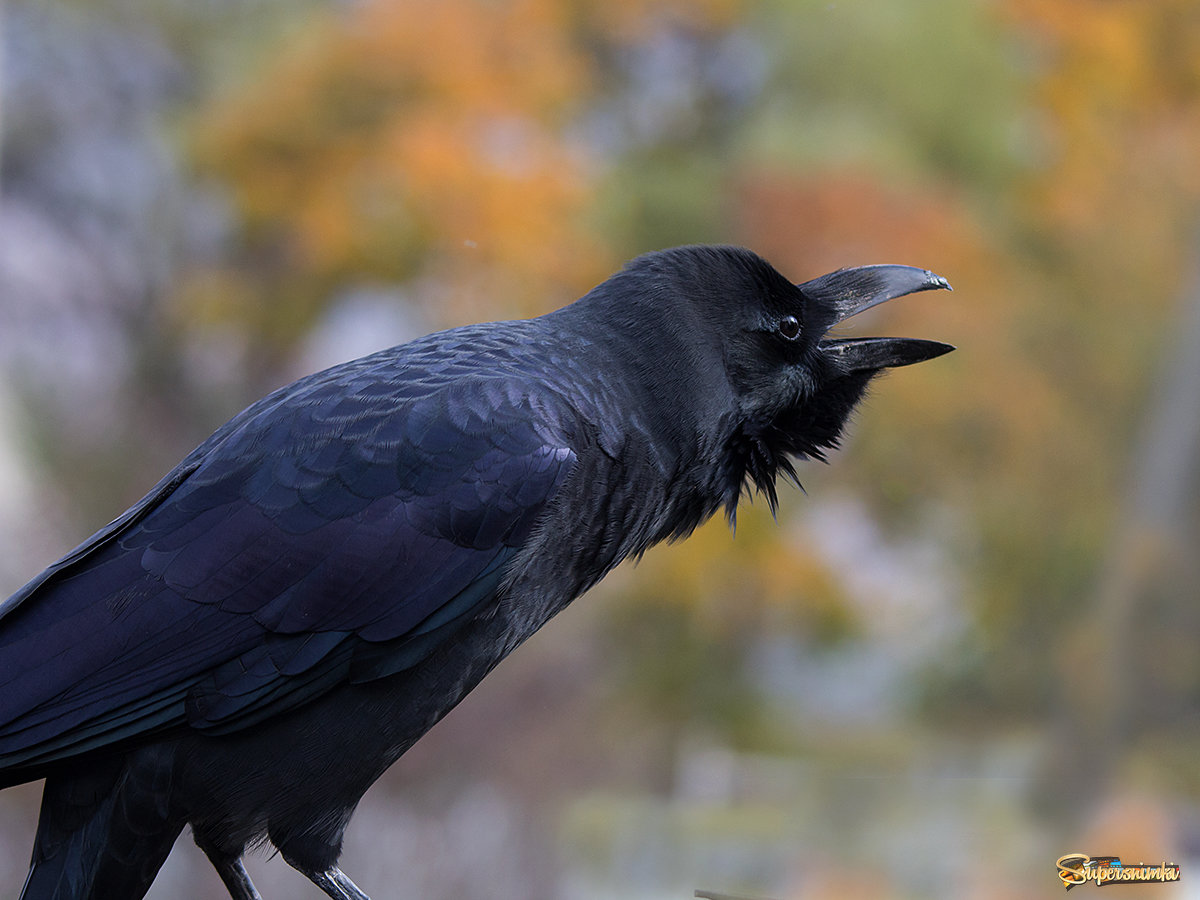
(1075, 869)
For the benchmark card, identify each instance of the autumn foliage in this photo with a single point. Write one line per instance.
(425, 143)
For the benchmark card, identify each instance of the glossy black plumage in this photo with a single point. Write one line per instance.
(251, 645)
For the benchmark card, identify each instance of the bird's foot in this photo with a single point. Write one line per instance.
(237, 880)
(334, 882)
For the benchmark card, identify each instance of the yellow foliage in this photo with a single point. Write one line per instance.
(1120, 90)
(419, 140)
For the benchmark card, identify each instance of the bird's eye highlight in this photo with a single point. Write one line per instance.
(789, 327)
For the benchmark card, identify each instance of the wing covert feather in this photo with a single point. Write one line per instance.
(332, 518)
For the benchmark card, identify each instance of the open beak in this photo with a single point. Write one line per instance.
(847, 292)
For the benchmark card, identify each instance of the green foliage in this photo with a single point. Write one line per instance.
(924, 89)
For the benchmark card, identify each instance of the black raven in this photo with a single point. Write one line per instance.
(251, 645)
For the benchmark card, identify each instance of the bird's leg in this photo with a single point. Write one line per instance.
(334, 882)
(233, 873)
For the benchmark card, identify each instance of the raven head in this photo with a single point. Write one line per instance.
(738, 360)
(796, 385)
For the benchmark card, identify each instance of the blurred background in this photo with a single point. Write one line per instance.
(967, 649)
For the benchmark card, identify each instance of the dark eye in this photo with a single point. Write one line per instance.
(789, 327)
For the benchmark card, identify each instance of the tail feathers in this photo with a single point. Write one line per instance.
(102, 835)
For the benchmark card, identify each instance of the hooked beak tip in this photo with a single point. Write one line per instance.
(848, 292)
